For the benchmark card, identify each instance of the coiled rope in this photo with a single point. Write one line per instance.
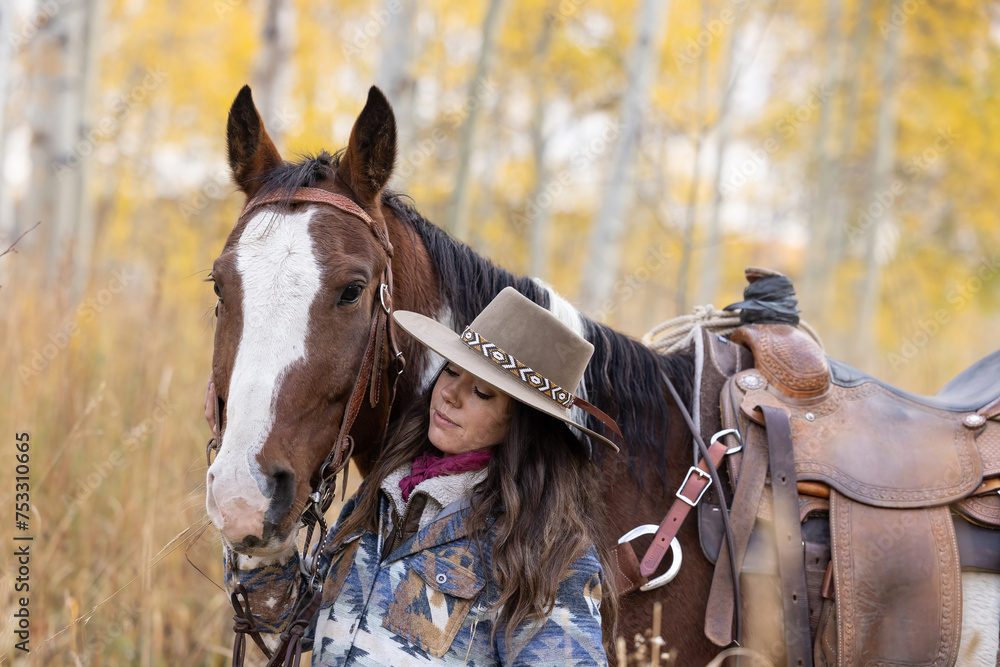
(672, 335)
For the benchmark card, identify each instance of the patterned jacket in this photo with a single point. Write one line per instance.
(427, 600)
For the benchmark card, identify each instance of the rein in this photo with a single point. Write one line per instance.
(381, 334)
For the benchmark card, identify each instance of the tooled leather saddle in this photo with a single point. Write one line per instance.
(855, 505)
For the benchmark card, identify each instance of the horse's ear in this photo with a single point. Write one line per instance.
(251, 151)
(371, 152)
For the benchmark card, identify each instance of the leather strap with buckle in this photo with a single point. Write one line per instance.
(692, 489)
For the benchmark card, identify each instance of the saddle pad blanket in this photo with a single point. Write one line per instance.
(876, 447)
(898, 585)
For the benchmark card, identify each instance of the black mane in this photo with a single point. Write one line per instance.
(466, 280)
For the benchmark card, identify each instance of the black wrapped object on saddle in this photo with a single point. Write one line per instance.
(768, 299)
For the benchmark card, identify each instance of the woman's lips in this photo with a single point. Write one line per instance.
(441, 420)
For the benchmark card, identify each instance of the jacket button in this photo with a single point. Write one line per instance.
(441, 578)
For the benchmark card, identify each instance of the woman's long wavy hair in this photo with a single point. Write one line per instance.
(544, 492)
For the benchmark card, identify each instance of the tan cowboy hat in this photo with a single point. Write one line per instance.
(521, 349)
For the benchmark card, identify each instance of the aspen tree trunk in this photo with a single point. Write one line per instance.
(485, 205)
(456, 222)
(42, 61)
(691, 214)
(540, 220)
(822, 301)
(885, 158)
(841, 205)
(8, 227)
(395, 76)
(71, 156)
(52, 111)
(605, 238)
(817, 269)
(711, 270)
(85, 213)
(273, 73)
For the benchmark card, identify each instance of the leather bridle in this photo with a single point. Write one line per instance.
(381, 335)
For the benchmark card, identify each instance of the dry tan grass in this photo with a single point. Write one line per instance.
(114, 412)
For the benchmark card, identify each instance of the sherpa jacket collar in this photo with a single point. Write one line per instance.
(441, 490)
(444, 516)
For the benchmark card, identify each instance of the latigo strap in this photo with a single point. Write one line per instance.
(788, 533)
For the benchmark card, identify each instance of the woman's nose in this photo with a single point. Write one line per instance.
(450, 392)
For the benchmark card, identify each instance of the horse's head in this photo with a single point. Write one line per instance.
(298, 286)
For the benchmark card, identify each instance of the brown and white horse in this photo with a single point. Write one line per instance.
(298, 286)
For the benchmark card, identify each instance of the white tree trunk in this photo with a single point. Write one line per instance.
(456, 222)
(691, 210)
(485, 205)
(85, 219)
(53, 111)
(609, 226)
(711, 272)
(842, 204)
(274, 70)
(885, 159)
(541, 213)
(7, 225)
(818, 266)
(395, 76)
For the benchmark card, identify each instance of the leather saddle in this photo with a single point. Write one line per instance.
(897, 493)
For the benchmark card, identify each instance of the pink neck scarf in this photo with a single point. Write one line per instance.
(427, 465)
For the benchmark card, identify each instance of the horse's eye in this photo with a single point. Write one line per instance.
(351, 294)
(218, 292)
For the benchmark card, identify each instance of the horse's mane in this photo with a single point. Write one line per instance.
(624, 379)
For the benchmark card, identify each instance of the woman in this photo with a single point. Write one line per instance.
(473, 540)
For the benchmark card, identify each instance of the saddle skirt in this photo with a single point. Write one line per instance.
(889, 470)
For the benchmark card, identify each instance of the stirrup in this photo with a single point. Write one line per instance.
(675, 551)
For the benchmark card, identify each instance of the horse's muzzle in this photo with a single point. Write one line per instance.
(248, 519)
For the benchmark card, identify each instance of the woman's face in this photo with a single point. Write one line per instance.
(467, 413)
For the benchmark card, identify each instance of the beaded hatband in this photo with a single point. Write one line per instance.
(505, 361)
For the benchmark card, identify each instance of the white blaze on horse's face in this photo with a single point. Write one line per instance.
(280, 277)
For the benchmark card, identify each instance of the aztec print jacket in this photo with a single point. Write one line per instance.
(427, 601)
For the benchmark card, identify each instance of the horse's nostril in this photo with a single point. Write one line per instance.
(251, 542)
(282, 484)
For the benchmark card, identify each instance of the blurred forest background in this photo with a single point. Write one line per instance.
(637, 154)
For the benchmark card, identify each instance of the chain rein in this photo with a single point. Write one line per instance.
(289, 650)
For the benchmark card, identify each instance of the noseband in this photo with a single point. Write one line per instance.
(381, 334)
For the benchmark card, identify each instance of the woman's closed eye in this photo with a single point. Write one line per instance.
(448, 370)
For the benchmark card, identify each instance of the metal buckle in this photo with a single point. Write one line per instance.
(727, 431)
(676, 556)
(701, 473)
(381, 295)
